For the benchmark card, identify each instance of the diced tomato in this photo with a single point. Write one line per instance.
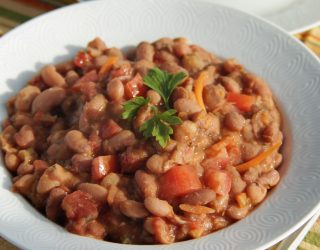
(82, 59)
(102, 165)
(135, 87)
(241, 101)
(178, 181)
(108, 129)
(218, 180)
(87, 85)
(79, 205)
(123, 70)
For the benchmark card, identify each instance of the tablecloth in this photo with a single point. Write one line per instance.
(15, 12)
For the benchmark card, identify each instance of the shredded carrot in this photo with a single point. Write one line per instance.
(242, 199)
(106, 67)
(215, 148)
(196, 209)
(258, 159)
(198, 88)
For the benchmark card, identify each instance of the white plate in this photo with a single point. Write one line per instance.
(291, 70)
(292, 15)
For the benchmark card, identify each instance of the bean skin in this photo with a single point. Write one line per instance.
(199, 197)
(51, 77)
(48, 99)
(25, 98)
(256, 192)
(76, 141)
(158, 207)
(133, 209)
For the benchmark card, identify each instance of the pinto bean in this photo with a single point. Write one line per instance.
(144, 114)
(110, 179)
(213, 96)
(163, 232)
(180, 49)
(12, 161)
(230, 84)
(220, 203)
(25, 137)
(76, 141)
(119, 142)
(24, 184)
(81, 163)
(199, 197)
(48, 99)
(25, 98)
(180, 92)
(269, 179)
(237, 213)
(186, 105)
(158, 207)
(71, 77)
(260, 121)
(51, 77)
(133, 209)
(238, 185)
(143, 66)
(193, 63)
(21, 118)
(55, 176)
(133, 158)
(172, 67)
(185, 132)
(115, 89)
(256, 192)
(155, 98)
(156, 164)
(271, 132)
(25, 168)
(249, 150)
(98, 192)
(164, 43)
(234, 121)
(53, 206)
(146, 183)
(115, 52)
(96, 108)
(145, 51)
(231, 65)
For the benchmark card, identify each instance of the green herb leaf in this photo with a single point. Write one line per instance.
(163, 82)
(132, 106)
(159, 126)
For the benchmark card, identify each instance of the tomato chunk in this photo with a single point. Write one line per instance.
(79, 205)
(102, 165)
(178, 181)
(109, 128)
(218, 180)
(135, 87)
(82, 59)
(241, 101)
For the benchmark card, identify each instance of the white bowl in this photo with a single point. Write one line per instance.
(290, 69)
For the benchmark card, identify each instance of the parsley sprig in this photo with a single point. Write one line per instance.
(132, 107)
(163, 82)
(159, 126)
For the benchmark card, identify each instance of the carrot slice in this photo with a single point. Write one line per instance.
(106, 67)
(258, 159)
(241, 101)
(196, 209)
(198, 88)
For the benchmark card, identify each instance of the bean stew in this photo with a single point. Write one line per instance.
(163, 144)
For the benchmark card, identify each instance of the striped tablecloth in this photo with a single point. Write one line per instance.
(15, 12)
